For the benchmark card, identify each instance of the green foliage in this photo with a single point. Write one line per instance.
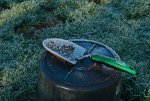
(121, 24)
(75, 10)
(6, 4)
(147, 97)
(135, 8)
(19, 13)
(19, 58)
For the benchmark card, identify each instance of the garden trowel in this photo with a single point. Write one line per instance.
(72, 53)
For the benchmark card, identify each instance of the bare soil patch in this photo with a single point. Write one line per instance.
(32, 29)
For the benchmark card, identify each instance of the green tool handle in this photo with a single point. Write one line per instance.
(114, 63)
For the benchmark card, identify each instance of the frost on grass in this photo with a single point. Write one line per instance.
(75, 10)
(121, 24)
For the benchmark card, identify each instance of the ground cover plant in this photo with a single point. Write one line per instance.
(123, 25)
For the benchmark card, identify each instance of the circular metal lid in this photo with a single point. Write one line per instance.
(85, 72)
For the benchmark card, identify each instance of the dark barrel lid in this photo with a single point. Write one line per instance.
(85, 73)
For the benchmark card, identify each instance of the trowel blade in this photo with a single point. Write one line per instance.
(64, 49)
